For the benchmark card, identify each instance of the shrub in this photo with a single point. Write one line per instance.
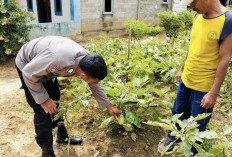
(175, 23)
(229, 7)
(186, 18)
(141, 29)
(14, 30)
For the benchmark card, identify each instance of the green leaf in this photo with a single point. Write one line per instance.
(142, 102)
(131, 117)
(166, 148)
(187, 147)
(173, 72)
(205, 154)
(163, 125)
(111, 126)
(133, 136)
(227, 129)
(106, 122)
(85, 102)
(61, 78)
(167, 104)
(55, 131)
(130, 103)
(69, 93)
(140, 111)
(57, 116)
(192, 127)
(217, 151)
(137, 80)
(121, 119)
(78, 106)
(128, 127)
(158, 91)
(197, 146)
(202, 116)
(171, 95)
(208, 134)
(165, 90)
(176, 117)
(75, 114)
(175, 133)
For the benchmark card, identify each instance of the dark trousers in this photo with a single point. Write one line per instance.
(188, 101)
(43, 121)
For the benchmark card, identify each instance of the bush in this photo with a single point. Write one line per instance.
(141, 29)
(186, 18)
(175, 23)
(229, 7)
(14, 30)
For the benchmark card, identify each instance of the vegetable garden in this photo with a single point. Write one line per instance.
(143, 87)
(141, 84)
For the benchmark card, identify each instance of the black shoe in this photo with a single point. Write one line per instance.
(73, 140)
(47, 151)
(62, 136)
(163, 145)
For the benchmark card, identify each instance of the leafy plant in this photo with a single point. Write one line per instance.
(142, 83)
(175, 23)
(189, 134)
(68, 108)
(65, 109)
(141, 29)
(15, 28)
(229, 7)
(226, 92)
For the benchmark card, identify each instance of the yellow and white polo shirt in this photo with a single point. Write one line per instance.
(203, 57)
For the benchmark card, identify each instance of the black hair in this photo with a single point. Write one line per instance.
(94, 66)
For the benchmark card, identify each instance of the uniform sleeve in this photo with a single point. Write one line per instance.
(227, 28)
(99, 94)
(34, 72)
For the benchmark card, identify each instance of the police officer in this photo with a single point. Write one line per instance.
(38, 63)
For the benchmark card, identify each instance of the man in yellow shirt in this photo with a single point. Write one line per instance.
(205, 66)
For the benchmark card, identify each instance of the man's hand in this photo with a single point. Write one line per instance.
(178, 75)
(209, 100)
(113, 111)
(49, 106)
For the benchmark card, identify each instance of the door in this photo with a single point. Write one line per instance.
(44, 11)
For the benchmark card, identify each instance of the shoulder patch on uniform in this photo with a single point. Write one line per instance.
(52, 68)
(70, 71)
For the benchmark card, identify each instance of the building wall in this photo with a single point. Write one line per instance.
(60, 25)
(93, 19)
(89, 17)
(66, 17)
(148, 9)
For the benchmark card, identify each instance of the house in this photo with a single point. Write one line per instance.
(81, 18)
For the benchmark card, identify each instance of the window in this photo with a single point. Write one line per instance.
(58, 7)
(30, 5)
(72, 9)
(164, 1)
(108, 6)
(5, 1)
